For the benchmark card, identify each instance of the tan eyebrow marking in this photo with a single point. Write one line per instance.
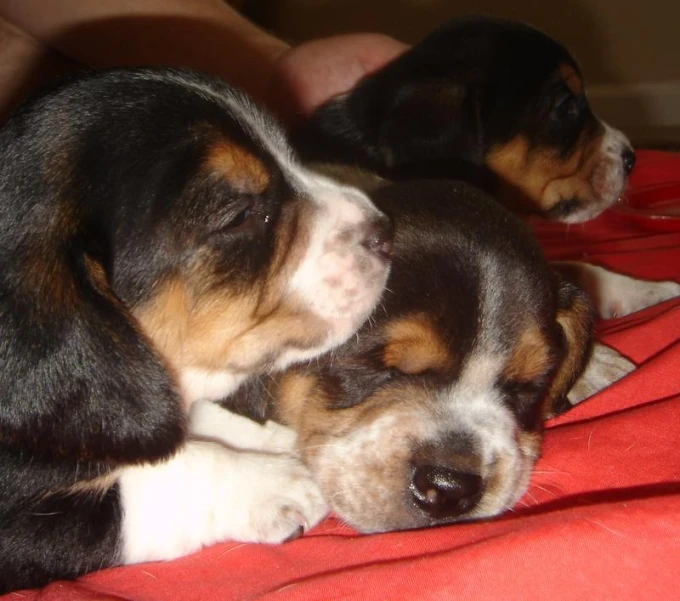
(243, 170)
(415, 346)
(530, 357)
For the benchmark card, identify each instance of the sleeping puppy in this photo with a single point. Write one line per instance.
(489, 101)
(159, 243)
(433, 413)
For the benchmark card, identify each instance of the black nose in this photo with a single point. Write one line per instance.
(443, 493)
(628, 157)
(379, 235)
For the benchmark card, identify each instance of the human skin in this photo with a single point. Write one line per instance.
(207, 35)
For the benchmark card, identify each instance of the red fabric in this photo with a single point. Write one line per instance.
(601, 519)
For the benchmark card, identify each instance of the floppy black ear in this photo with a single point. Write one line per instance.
(394, 120)
(429, 121)
(575, 320)
(79, 379)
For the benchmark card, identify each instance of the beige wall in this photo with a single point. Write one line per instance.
(629, 49)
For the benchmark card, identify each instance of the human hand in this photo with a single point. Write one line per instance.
(305, 76)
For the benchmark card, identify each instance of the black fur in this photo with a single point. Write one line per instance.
(473, 84)
(442, 230)
(101, 199)
(471, 277)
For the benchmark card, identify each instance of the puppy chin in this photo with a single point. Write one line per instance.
(608, 178)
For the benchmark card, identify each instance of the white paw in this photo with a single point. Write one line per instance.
(605, 367)
(617, 295)
(634, 295)
(286, 503)
(614, 294)
(208, 493)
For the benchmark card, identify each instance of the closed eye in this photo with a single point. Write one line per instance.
(525, 399)
(567, 107)
(242, 220)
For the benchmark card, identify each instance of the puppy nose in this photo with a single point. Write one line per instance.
(379, 235)
(444, 493)
(628, 157)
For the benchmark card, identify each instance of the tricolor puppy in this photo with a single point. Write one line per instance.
(433, 413)
(159, 243)
(485, 100)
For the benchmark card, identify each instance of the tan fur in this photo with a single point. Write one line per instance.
(380, 466)
(194, 322)
(529, 443)
(575, 322)
(530, 357)
(244, 172)
(51, 280)
(96, 486)
(536, 179)
(415, 346)
(573, 80)
(295, 390)
(45, 272)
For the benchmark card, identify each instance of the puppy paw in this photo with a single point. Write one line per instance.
(208, 493)
(605, 367)
(287, 503)
(614, 294)
(635, 295)
(618, 295)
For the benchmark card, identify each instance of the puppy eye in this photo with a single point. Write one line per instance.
(524, 400)
(567, 108)
(244, 220)
(240, 219)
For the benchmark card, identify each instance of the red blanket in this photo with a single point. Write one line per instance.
(601, 519)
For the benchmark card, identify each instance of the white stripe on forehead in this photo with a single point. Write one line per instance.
(257, 123)
(473, 406)
(492, 289)
(480, 372)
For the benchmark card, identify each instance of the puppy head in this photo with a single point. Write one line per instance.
(267, 278)
(492, 94)
(552, 156)
(157, 231)
(433, 413)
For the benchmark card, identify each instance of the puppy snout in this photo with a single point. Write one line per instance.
(378, 236)
(444, 493)
(628, 158)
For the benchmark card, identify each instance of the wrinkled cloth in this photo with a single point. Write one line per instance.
(601, 518)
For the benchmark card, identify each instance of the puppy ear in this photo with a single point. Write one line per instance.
(428, 121)
(79, 379)
(392, 120)
(575, 321)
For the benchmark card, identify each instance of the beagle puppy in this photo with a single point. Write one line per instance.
(159, 244)
(433, 413)
(486, 100)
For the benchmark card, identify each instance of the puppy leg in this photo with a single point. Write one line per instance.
(210, 421)
(614, 294)
(604, 367)
(209, 493)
